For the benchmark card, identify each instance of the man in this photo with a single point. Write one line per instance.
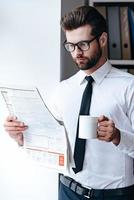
(107, 172)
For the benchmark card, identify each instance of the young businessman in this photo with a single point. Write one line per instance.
(107, 170)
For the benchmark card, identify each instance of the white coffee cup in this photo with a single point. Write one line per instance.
(88, 126)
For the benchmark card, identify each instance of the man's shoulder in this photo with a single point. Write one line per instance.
(71, 80)
(120, 73)
(121, 77)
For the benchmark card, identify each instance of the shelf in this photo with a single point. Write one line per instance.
(122, 62)
(121, 3)
(91, 2)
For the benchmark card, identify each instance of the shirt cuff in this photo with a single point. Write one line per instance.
(126, 144)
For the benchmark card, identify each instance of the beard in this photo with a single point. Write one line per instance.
(90, 63)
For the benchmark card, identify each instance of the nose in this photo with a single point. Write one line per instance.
(77, 51)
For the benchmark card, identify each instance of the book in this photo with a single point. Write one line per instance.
(125, 34)
(131, 23)
(113, 18)
(102, 11)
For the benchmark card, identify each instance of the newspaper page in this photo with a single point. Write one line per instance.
(45, 139)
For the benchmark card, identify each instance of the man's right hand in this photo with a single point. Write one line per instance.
(15, 128)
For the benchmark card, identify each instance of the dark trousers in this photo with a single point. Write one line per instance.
(66, 193)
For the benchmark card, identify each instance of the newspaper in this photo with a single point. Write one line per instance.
(45, 139)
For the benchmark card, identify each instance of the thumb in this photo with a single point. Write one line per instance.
(102, 118)
(11, 118)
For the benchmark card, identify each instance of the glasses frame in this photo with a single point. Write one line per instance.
(77, 44)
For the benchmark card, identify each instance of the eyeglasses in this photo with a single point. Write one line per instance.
(83, 45)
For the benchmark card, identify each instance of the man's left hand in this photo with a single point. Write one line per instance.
(107, 130)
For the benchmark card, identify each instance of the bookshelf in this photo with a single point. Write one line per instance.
(120, 62)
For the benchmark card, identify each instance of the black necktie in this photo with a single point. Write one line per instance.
(79, 150)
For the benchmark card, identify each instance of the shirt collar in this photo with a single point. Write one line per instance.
(98, 75)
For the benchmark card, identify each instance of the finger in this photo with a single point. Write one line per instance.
(105, 136)
(107, 123)
(15, 128)
(101, 134)
(14, 124)
(107, 129)
(14, 133)
(102, 128)
(106, 139)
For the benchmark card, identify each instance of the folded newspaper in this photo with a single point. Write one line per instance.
(45, 139)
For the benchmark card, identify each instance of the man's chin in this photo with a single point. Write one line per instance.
(84, 67)
(81, 66)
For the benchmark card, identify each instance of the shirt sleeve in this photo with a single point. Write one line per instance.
(126, 144)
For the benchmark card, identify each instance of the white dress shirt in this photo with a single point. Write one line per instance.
(105, 165)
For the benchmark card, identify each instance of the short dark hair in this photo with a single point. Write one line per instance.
(84, 15)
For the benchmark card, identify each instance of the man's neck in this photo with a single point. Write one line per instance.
(97, 66)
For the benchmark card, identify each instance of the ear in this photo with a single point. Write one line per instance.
(103, 39)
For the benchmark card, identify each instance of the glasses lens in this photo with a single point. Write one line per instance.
(69, 47)
(83, 45)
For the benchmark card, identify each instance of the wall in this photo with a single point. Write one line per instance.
(30, 55)
(68, 67)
